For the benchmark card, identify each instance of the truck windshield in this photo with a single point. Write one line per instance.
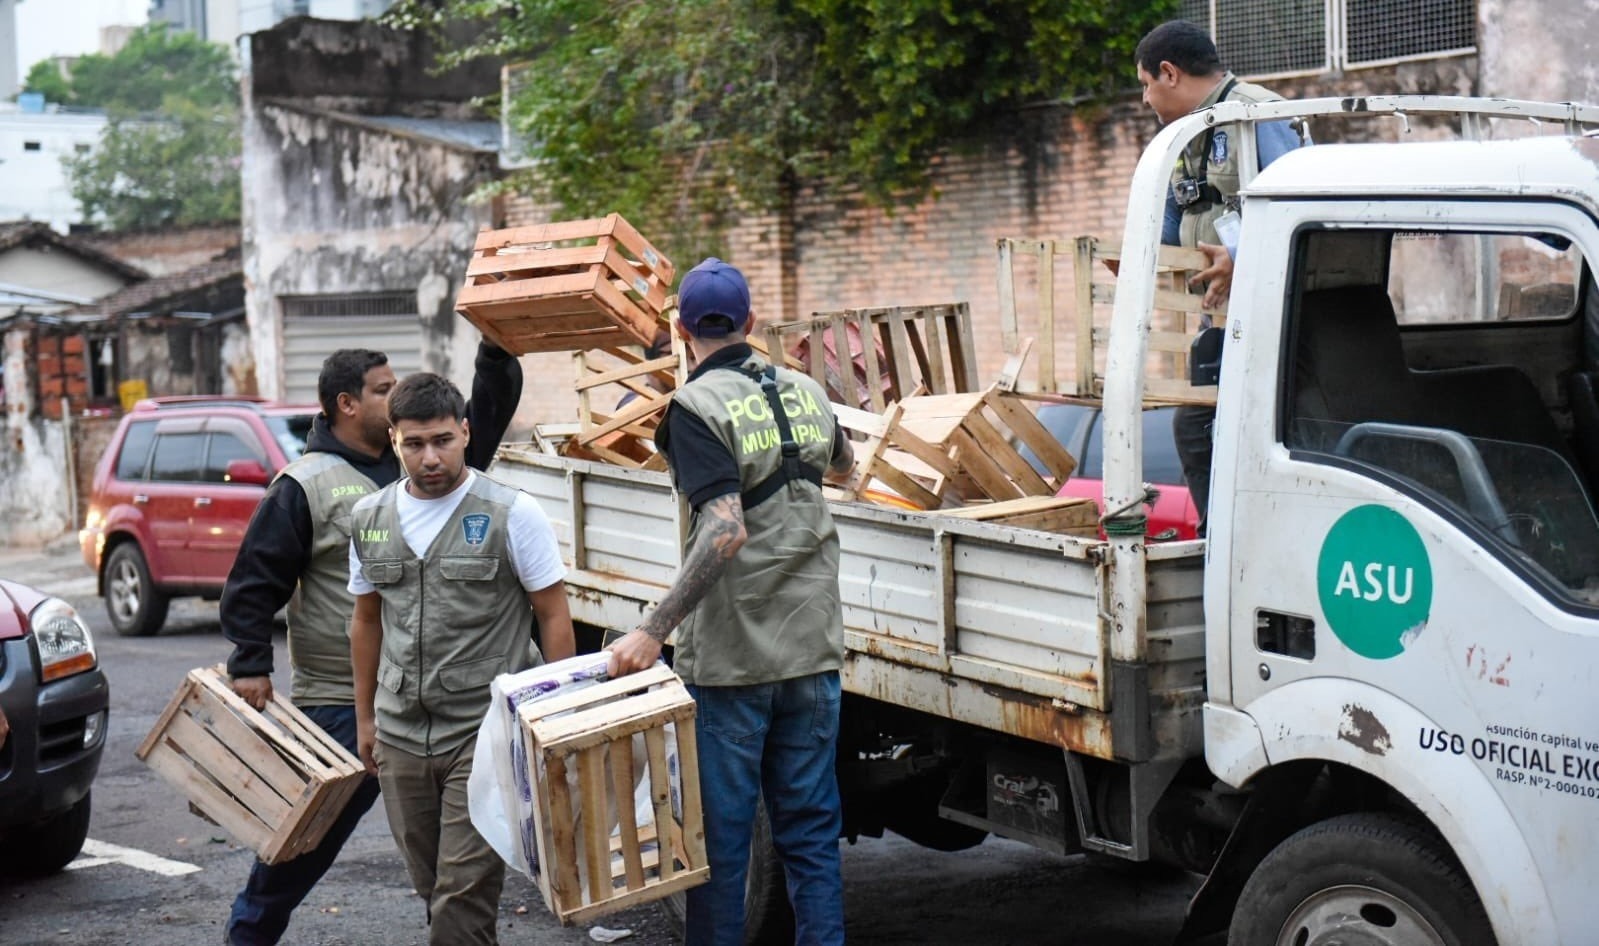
(291, 432)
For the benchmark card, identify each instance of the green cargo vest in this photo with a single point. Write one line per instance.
(1199, 226)
(319, 612)
(452, 620)
(776, 613)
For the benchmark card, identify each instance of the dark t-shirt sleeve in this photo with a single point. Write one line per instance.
(702, 466)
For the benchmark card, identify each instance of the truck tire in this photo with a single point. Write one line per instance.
(768, 917)
(1368, 878)
(45, 848)
(135, 606)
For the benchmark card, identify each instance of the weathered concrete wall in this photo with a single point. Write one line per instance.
(364, 68)
(332, 207)
(34, 497)
(1544, 50)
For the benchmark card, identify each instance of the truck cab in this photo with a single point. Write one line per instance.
(1402, 571)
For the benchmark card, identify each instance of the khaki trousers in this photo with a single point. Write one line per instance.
(452, 867)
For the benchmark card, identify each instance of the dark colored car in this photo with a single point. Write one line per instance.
(172, 496)
(55, 701)
(1080, 428)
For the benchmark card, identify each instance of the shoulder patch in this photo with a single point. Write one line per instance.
(475, 528)
(1218, 147)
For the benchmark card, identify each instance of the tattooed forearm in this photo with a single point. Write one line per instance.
(721, 536)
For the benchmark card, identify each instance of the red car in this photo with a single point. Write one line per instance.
(1081, 429)
(173, 494)
(54, 700)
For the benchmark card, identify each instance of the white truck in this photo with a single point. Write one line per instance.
(1367, 707)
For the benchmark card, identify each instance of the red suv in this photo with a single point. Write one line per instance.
(173, 494)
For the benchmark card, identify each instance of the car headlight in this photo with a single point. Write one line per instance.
(65, 645)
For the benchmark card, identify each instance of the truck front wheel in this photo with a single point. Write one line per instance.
(1367, 878)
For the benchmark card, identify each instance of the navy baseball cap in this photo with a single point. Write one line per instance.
(713, 288)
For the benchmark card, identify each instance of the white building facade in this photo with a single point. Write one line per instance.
(32, 145)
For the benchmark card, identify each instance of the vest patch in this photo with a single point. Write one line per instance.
(475, 528)
(374, 535)
(1218, 148)
(348, 489)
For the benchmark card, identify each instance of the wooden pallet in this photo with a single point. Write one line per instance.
(582, 747)
(1071, 515)
(912, 348)
(942, 450)
(1174, 321)
(566, 286)
(275, 780)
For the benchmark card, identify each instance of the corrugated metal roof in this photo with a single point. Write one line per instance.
(477, 136)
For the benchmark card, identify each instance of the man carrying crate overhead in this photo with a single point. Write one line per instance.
(761, 639)
(446, 565)
(295, 552)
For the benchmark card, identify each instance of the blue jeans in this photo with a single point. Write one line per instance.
(261, 910)
(780, 739)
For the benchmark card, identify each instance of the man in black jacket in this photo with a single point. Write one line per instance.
(295, 552)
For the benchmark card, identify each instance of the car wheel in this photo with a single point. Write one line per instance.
(136, 608)
(1360, 878)
(768, 917)
(46, 848)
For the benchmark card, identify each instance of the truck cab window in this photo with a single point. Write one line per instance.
(1450, 366)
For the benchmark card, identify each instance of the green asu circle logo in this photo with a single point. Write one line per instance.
(1375, 581)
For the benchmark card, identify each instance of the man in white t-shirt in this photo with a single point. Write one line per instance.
(444, 564)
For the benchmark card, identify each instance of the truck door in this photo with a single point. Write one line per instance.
(1410, 571)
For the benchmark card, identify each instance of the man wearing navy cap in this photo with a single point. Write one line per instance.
(756, 605)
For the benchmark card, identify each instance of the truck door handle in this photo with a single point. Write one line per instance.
(202, 500)
(139, 499)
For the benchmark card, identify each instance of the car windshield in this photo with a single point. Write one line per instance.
(290, 431)
(1068, 422)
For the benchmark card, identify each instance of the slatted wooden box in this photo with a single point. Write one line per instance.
(582, 749)
(275, 780)
(566, 286)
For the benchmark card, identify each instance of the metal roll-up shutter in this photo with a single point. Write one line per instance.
(316, 326)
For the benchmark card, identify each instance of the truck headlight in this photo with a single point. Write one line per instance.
(65, 645)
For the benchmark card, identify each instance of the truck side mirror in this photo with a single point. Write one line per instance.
(247, 472)
(1204, 358)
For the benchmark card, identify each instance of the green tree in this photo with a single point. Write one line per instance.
(169, 155)
(678, 113)
(45, 78)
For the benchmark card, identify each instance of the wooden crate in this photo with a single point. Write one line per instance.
(274, 780)
(581, 746)
(1070, 515)
(1173, 323)
(566, 286)
(941, 450)
(902, 350)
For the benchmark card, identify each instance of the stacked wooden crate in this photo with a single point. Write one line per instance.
(568, 286)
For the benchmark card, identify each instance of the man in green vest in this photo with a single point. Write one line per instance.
(756, 606)
(295, 552)
(1181, 72)
(445, 566)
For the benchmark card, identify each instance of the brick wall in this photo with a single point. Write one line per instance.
(159, 252)
(1053, 173)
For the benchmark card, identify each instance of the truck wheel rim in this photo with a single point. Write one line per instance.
(125, 591)
(1357, 915)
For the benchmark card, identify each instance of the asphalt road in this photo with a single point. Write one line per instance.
(895, 892)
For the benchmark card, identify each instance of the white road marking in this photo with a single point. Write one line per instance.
(96, 853)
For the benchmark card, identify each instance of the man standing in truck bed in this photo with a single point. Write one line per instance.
(1181, 72)
(762, 635)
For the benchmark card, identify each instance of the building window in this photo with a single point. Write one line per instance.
(1261, 38)
(31, 146)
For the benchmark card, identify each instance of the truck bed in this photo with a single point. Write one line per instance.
(994, 626)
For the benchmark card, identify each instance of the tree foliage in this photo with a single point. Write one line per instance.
(169, 155)
(674, 113)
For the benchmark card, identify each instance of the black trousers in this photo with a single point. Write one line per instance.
(1193, 428)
